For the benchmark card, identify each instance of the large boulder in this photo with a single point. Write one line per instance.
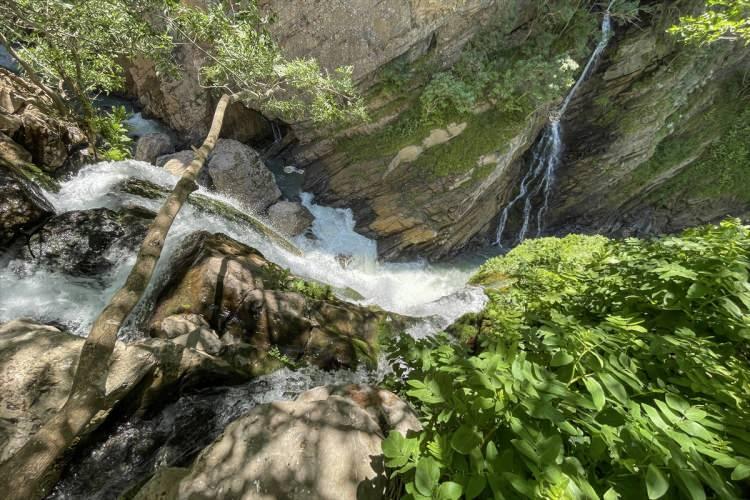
(152, 146)
(22, 205)
(290, 218)
(324, 445)
(37, 365)
(237, 170)
(52, 142)
(250, 301)
(87, 242)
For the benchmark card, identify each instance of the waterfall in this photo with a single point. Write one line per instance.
(277, 136)
(546, 154)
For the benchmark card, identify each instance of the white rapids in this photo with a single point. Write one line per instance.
(336, 255)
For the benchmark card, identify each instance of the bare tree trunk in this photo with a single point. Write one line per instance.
(28, 473)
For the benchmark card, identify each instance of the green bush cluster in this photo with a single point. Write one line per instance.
(599, 369)
(110, 126)
(515, 75)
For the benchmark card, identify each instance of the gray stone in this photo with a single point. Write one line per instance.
(290, 218)
(152, 146)
(180, 324)
(87, 242)
(238, 171)
(201, 339)
(324, 445)
(176, 163)
(51, 142)
(37, 365)
(22, 205)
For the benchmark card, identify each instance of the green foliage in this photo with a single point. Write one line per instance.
(275, 353)
(314, 290)
(111, 127)
(78, 45)
(515, 76)
(720, 20)
(603, 369)
(712, 148)
(78, 49)
(246, 62)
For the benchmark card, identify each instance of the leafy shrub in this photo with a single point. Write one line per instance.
(601, 369)
(111, 127)
(446, 93)
(515, 75)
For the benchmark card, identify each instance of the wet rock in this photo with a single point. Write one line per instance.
(247, 298)
(37, 365)
(176, 163)
(52, 142)
(325, 444)
(152, 146)
(22, 205)
(88, 242)
(291, 218)
(238, 171)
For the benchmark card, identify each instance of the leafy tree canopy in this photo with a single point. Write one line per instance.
(721, 20)
(76, 49)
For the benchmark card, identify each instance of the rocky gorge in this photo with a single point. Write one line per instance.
(255, 364)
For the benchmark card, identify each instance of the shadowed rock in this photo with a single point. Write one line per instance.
(326, 444)
(250, 301)
(87, 242)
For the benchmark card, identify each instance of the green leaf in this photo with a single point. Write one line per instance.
(561, 358)
(596, 391)
(697, 290)
(449, 491)
(691, 484)
(465, 439)
(656, 484)
(614, 387)
(475, 486)
(741, 472)
(611, 494)
(427, 476)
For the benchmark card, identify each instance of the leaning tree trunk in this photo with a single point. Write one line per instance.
(28, 473)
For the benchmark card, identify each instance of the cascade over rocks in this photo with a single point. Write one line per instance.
(325, 444)
(53, 143)
(84, 243)
(622, 172)
(22, 205)
(252, 303)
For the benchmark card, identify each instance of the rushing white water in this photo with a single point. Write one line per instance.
(546, 155)
(336, 255)
(139, 126)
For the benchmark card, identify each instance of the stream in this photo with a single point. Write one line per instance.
(134, 448)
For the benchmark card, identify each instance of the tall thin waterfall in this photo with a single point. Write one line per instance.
(547, 154)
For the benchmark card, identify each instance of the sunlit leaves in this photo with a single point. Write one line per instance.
(242, 59)
(720, 20)
(631, 383)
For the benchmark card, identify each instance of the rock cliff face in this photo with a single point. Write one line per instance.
(652, 141)
(657, 140)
